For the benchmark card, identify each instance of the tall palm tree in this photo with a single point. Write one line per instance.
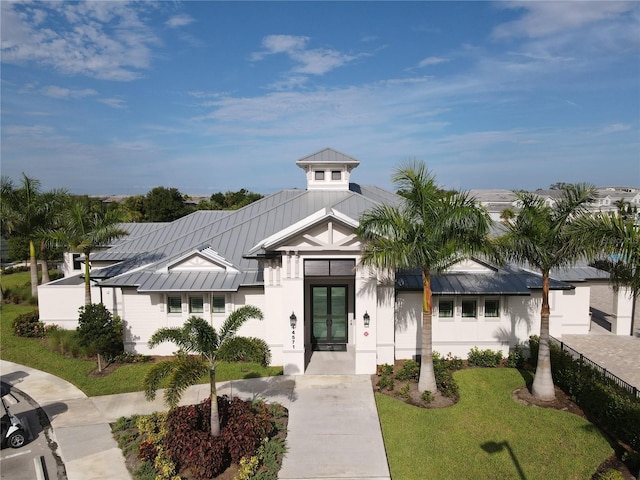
(430, 230)
(84, 230)
(25, 211)
(618, 237)
(540, 236)
(198, 344)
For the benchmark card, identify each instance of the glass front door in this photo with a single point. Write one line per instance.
(329, 317)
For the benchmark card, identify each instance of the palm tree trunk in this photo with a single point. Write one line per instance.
(33, 269)
(215, 414)
(543, 388)
(87, 280)
(44, 264)
(427, 379)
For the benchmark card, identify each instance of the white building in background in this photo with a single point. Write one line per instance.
(294, 255)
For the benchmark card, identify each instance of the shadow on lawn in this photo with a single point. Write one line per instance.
(495, 447)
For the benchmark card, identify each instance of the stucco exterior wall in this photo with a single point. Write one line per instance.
(59, 304)
(457, 335)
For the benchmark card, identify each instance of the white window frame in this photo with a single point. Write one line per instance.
(498, 312)
(469, 300)
(191, 307)
(169, 297)
(215, 309)
(447, 318)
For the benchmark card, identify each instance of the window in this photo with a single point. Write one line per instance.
(319, 174)
(492, 308)
(445, 308)
(196, 305)
(77, 263)
(174, 304)
(468, 309)
(336, 175)
(218, 304)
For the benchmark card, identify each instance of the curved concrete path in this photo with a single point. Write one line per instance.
(334, 431)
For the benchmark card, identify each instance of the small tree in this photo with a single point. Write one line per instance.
(100, 330)
(198, 346)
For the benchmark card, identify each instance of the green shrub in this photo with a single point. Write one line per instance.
(427, 396)
(245, 349)
(610, 474)
(28, 325)
(410, 370)
(385, 370)
(516, 358)
(100, 330)
(600, 397)
(484, 358)
(386, 382)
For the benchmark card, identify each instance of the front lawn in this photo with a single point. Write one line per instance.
(488, 435)
(32, 352)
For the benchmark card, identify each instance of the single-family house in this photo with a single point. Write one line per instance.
(295, 255)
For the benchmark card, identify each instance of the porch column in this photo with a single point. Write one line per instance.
(622, 308)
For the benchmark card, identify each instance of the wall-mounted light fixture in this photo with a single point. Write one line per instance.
(293, 320)
(367, 319)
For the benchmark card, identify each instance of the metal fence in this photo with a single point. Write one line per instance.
(603, 371)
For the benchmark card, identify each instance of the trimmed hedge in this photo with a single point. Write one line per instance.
(617, 410)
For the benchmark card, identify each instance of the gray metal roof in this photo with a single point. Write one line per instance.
(232, 234)
(328, 155)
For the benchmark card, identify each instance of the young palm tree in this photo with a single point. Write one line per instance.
(540, 236)
(429, 230)
(619, 237)
(83, 230)
(198, 344)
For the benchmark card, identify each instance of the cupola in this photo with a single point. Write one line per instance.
(328, 170)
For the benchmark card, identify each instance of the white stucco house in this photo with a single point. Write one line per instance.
(294, 255)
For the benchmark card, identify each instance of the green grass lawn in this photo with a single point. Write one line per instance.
(487, 435)
(126, 378)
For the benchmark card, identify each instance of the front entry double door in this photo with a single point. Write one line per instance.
(329, 317)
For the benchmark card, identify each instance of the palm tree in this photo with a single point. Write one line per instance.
(198, 344)
(25, 211)
(430, 230)
(540, 236)
(83, 230)
(618, 237)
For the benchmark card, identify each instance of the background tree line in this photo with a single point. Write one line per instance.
(38, 226)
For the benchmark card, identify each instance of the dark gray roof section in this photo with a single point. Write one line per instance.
(507, 281)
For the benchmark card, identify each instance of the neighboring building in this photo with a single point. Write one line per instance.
(294, 255)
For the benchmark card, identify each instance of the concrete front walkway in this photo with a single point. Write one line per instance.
(334, 432)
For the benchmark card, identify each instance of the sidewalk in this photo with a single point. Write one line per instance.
(334, 432)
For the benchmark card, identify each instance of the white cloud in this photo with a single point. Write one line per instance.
(616, 127)
(179, 21)
(316, 61)
(54, 91)
(544, 18)
(105, 40)
(113, 102)
(431, 61)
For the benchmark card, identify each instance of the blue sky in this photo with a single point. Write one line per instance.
(118, 98)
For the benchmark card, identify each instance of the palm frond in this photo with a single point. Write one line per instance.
(154, 377)
(236, 319)
(187, 370)
(174, 335)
